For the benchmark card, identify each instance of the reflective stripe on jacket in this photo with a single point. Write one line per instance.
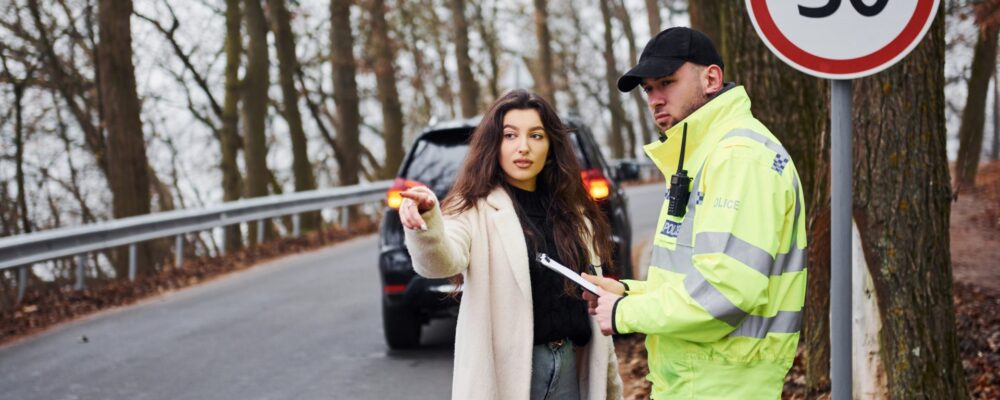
(722, 303)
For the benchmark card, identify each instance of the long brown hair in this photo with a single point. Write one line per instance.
(559, 184)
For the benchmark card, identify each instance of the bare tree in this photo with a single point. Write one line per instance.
(71, 85)
(971, 132)
(995, 153)
(435, 25)
(288, 66)
(645, 117)
(19, 86)
(468, 88)
(487, 31)
(653, 16)
(255, 100)
(544, 83)
(413, 39)
(229, 136)
(128, 175)
(611, 77)
(383, 54)
(345, 92)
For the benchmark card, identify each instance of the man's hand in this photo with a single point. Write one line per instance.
(601, 304)
(609, 285)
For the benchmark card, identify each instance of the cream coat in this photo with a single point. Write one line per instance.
(494, 335)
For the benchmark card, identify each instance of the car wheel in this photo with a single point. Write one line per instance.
(401, 326)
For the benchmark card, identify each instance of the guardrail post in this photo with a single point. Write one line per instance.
(131, 262)
(345, 217)
(22, 282)
(260, 231)
(222, 247)
(81, 261)
(178, 251)
(296, 225)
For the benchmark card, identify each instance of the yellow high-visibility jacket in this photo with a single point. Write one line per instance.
(722, 303)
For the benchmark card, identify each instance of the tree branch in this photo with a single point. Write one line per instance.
(185, 58)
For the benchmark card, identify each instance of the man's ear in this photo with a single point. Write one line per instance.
(711, 79)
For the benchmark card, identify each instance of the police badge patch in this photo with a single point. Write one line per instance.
(671, 228)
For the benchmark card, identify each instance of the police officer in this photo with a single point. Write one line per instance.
(722, 302)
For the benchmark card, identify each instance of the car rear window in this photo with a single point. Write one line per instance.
(436, 158)
(578, 150)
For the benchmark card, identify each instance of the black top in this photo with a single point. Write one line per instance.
(557, 315)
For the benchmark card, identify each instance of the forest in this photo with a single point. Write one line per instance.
(114, 108)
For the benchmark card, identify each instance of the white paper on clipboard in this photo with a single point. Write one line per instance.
(562, 270)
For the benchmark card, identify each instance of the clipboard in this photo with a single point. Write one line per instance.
(562, 270)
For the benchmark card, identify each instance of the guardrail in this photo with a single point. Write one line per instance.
(24, 250)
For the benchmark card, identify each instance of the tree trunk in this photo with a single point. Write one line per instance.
(385, 79)
(705, 18)
(571, 70)
(901, 207)
(421, 110)
(444, 85)
(995, 155)
(22, 203)
(468, 88)
(345, 92)
(645, 117)
(489, 36)
(21, 207)
(126, 149)
(288, 65)
(255, 84)
(544, 84)
(774, 88)
(653, 15)
(229, 136)
(611, 75)
(971, 132)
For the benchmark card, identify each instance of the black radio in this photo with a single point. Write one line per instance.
(679, 191)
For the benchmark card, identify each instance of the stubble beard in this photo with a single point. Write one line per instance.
(698, 102)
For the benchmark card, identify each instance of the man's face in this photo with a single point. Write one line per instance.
(672, 98)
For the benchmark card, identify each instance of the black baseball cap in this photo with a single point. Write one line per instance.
(666, 52)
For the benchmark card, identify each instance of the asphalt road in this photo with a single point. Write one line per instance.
(303, 327)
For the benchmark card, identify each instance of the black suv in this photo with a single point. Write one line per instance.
(409, 300)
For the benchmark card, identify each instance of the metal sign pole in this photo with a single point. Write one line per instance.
(841, 130)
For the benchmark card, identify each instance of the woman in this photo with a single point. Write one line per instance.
(523, 331)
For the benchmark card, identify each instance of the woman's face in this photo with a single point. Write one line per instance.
(523, 148)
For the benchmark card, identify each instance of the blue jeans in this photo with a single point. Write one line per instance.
(553, 372)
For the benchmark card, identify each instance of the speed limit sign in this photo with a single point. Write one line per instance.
(841, 39)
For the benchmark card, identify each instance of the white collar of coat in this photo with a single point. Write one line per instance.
(513, 244)
(499, 199)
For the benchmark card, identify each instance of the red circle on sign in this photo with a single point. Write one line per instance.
(783, 45)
